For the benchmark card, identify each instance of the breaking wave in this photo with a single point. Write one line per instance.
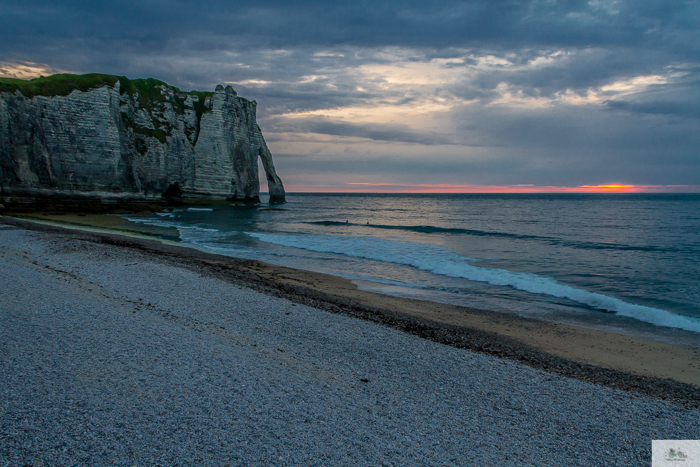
(187, 233)
(438, 260)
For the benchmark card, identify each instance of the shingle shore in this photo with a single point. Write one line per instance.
(111, 356)
(329, 293)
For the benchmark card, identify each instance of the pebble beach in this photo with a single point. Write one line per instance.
(115, 356)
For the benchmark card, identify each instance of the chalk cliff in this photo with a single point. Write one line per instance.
(108, 139)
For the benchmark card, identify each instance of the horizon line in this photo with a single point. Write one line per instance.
(495, 189)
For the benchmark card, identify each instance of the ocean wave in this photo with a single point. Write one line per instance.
(199, 209)
(431, 229)
(187, 233)
(438, 260)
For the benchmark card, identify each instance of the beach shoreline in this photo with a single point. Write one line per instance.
(633, 364)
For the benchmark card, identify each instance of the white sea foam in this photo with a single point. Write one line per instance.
(150, 221)
(188, 233)
(437, 260)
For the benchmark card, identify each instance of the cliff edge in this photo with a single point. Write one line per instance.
(107, 139)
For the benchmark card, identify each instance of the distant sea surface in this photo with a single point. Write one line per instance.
(626, 263)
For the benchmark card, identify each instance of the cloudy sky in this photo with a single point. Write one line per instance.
(486, 95)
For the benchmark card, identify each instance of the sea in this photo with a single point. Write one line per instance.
(626, 263)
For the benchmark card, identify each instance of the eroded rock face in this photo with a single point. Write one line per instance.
(119, 146)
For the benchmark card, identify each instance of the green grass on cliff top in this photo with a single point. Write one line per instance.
(56, 85)
(64, 84)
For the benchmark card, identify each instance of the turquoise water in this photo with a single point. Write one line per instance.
(626, 262)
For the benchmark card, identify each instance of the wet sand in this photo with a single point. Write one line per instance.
(630, 363)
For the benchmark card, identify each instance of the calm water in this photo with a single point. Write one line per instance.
(624, 262)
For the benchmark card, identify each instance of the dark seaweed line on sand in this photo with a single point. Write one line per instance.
(233, 270)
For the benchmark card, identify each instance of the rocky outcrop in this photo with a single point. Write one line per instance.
(129, 141)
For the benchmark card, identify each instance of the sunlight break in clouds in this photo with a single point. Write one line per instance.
(416, 92)
(248, 82)
(26, 70)
(633, 85)
(414, 112)
(615, 90)
(433, 72)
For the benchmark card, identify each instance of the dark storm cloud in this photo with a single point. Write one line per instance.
(437, 24)
(680, 101)
(680, 108)
(155, 26)
(372, 131)
(583, 144)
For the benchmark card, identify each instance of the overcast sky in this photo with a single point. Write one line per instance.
(408, 95)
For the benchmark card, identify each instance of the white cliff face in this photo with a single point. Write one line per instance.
(63, 144)
(108, 145)
(231, 129)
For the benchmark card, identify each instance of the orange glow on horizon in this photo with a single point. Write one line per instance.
(363, 187)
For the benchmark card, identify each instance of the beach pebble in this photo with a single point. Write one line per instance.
(111, 356)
